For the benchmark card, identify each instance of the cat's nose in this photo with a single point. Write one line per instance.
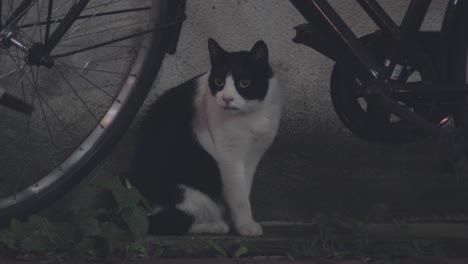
(228, 99)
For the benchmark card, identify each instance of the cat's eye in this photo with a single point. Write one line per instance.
(244, 83)
(219, 81)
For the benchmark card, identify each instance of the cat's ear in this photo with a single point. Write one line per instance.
(259, 52)
(216, 52)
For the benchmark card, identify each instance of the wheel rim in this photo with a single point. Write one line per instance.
(69, 121)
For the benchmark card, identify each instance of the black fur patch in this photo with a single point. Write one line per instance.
(168, 154)
(243, 65)
(171, 221)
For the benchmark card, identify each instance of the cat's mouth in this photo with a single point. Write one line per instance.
(227, 107)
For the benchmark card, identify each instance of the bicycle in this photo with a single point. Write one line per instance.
(371, 80)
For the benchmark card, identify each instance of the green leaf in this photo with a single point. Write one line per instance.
(127, 198)
(89, 226)
(35, 244)
(43, 226)
(17, 229)
(136, 220)
(136, 250)
(240, 252)
(85, 249)
(114, 237)
(7, 239)
(218, 248)
(158, 252)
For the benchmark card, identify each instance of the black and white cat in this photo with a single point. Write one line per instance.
(201, 141)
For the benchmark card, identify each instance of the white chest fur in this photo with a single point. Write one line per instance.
(236, 135)
(237, 140)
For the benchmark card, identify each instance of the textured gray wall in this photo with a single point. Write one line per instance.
(315, 161)
(237, 24)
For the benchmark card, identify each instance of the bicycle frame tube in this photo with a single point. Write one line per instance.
(449, 36)
(19, 12)
(351, 51)
(409, 28)
(63, 27)
(380, 17)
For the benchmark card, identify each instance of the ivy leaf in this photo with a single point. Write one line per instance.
(17, 229)
(127, 198)
(42, 225)
(35, 244)
(7, 239)
(136, 250)
(136, 220)
(240, 252)
(85, 249)
(89, 226)
(218, 248)
(114, 237)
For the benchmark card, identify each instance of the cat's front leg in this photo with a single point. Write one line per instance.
(236, 194)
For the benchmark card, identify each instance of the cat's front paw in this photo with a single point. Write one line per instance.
(250, 229)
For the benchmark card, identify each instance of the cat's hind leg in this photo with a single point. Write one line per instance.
(207, 213)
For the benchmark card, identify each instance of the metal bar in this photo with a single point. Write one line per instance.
(404, 113)
(19, 12)
(448, 89)
(414, 16)
(380, 17)
(409, 29)
(63, 27)
(49, 20)
(449, 36)
(355, 56)
(1, 14)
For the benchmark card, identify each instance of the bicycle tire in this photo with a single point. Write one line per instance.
(99, 142)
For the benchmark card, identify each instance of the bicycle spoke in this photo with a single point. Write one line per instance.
(34, 85)
(23, 13)
(8, 73)
(76, 93)
(39, 11)
(104, 30)
(21, 77)
(96, 6)
(69, 34)
(94, 70)
(49, 19)
(107, 46)
(54, 113)
(58, 20)
(87, 80)
(118, 39)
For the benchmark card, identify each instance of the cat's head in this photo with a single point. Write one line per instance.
(239, 81)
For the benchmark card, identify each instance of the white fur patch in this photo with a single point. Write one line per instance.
(237, 140)
(200, 206)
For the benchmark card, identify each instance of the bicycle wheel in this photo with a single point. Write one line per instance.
(83, 103)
